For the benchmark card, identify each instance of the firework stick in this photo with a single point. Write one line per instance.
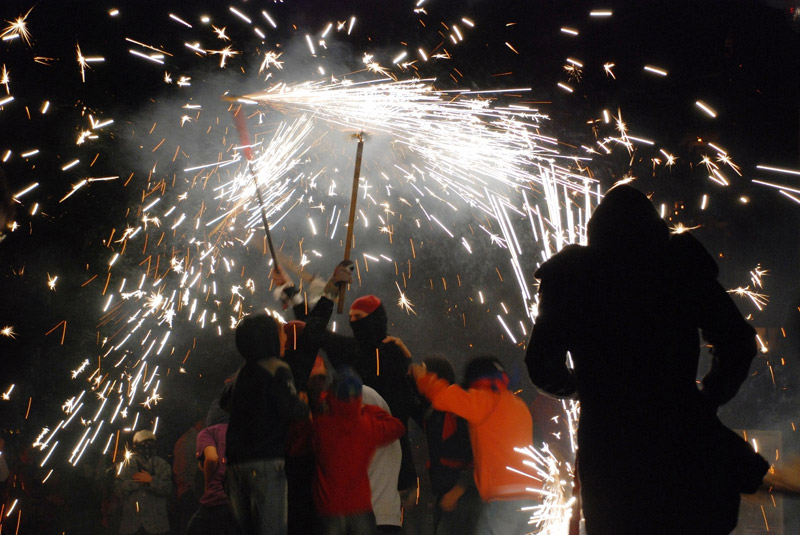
(348, 244)
(244, 139)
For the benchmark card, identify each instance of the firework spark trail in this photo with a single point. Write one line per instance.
(466, 146)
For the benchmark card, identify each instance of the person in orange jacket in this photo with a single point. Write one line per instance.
(498, 422)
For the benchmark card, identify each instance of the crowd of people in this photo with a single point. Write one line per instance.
(311, 434)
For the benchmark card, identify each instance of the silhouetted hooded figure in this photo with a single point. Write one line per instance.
(653, 456)
(263, 403)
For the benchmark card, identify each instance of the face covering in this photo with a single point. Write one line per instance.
(145, 449)
(370, 331)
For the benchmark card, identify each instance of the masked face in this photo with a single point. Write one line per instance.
(370, 330)
(146, 448)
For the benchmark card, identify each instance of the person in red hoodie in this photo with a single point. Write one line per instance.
(498, 422)
(345, 435)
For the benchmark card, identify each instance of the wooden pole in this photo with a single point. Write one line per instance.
(348, 244)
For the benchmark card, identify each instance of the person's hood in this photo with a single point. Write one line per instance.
(626, 224)
(257, 337)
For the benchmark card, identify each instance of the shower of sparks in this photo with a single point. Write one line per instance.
(680, 228)
(551, 490)
(655, 70)
(8, 331)
(51, 282)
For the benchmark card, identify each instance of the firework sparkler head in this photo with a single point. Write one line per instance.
(626, 220)
(259, 336)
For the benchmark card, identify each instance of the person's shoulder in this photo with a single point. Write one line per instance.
(688, 255)
(570, 259)
(273, 365)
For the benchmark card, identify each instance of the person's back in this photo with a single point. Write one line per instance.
(499, 423)
(653, 457)
(383, 473)
(345, 437)
(450, 465)
(262, 404)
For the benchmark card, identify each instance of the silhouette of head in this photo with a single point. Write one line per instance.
(488, 370)
(144, 443)
(441, 367)
(348, 385)
(259, 336)
(626, 221)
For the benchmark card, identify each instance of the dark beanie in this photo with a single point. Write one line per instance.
(441, 367)
(484, 368)
(257, 337)
(348, 385)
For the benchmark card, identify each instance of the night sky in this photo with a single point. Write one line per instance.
(738, 57)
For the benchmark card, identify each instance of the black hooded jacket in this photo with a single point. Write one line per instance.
(263, 401)
(629, 308)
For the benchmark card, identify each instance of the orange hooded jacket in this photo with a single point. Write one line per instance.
(498, 422)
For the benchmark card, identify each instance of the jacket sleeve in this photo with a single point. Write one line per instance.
(546, 356)
(283, 392)
(394, 383)
(722, 325)
(310, 341)
(473, 405)
(385, 427)
(123, 484)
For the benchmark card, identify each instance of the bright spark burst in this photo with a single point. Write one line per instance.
(18, 28)
(758, 299)
(403, 302)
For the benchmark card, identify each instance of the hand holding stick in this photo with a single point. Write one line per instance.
(351, 219)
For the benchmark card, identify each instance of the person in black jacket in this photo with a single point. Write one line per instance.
(652, 455)
(263, 402)
(450, 465)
